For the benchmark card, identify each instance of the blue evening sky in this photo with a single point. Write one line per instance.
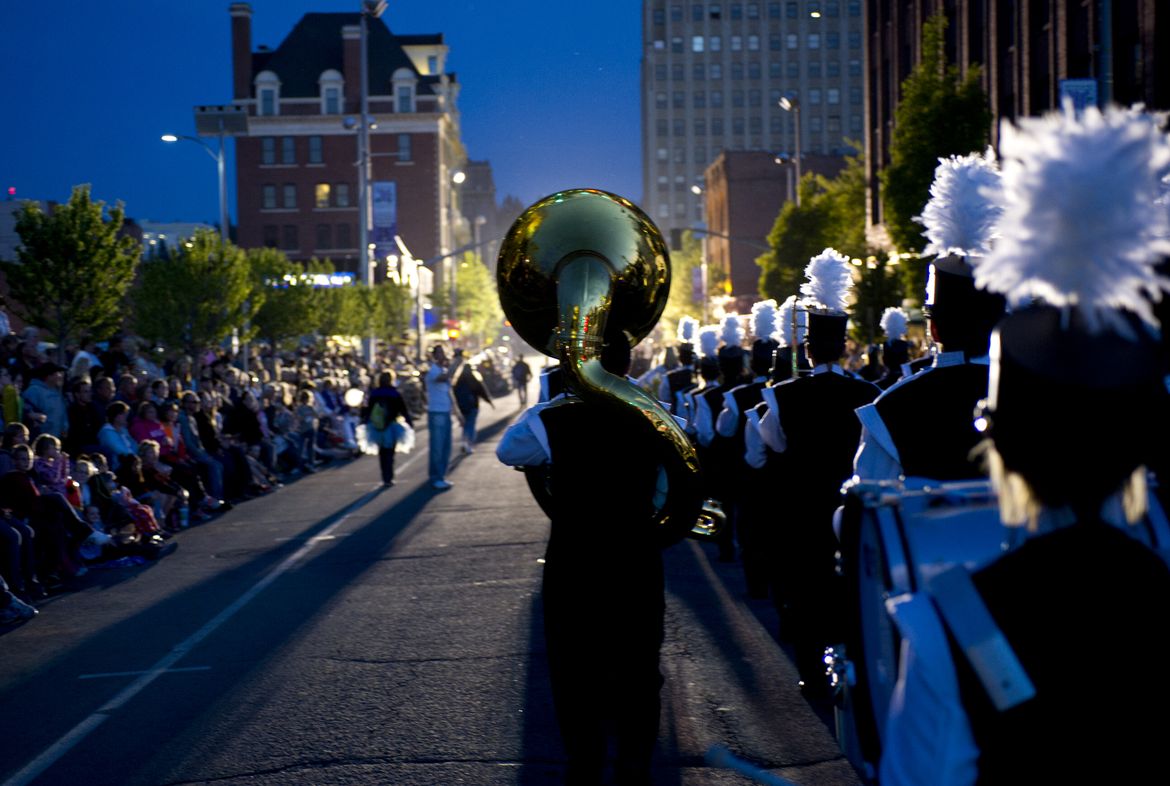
(549, 93)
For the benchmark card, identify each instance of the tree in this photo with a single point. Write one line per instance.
(876, 288)
(73, 271)
(198, 297)
(941, 114)
(831, 215)
(686, 266)
(292, 306)
(477, 303)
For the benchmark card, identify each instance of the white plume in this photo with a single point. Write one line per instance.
(894, 321)
(687, 327)
(829, 281)
(784, 322)
(965, 204)
(733, 332)
(1081, 228)
(709, 341)
(764, 319)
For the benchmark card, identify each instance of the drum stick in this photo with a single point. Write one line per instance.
(719, 756)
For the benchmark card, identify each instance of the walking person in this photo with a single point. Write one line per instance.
(439, 406)
(521, 376)
(383, 407)
(469, 389)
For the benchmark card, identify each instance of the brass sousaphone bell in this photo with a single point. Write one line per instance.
(581, 266)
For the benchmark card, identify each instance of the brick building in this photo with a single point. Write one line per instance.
(296, 177)
(1030, 51)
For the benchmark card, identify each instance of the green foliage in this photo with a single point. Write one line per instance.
(197, 296)
(382, 311)
(941, 114)
(684, 265)
(73, 270)
(877, 288)
(477, 304)
(831, 215)
(291, 308)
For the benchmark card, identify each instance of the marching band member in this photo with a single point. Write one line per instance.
(1015, 673)
(681, 379)
(810, 423)
(895, 350)
(922, 425)
(709, 402)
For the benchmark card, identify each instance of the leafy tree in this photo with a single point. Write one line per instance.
(477, 304)
(73, 270)
(941, 114)
(685, 266)
(291, 307)
(198, 296)
(877, 287)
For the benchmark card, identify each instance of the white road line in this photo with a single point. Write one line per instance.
(54, 752)
(136, 673)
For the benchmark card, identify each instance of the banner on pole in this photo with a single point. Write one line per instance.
(385, 208)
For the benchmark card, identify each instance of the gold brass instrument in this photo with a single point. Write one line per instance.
(583, 265)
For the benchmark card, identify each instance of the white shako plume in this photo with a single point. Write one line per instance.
(784, 323)
(894, 321)
(687, 328)
(965, 206)
(733, 331)
(709, 341)
(829, 280)
(1081, 227)
(764, 319)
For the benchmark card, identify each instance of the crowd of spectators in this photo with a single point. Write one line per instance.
(105, 458)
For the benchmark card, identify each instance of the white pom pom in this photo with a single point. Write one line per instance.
(894, 321)
(965, 205)
(709, 341)
(1081, 227)
(829, 280)
(733, 331)
(764, 319)
(784, 322)
(687, 327)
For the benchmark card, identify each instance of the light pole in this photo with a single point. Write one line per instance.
(786, 162)
(792, 104)
(374, 9)
(457, 177)
(219, 164)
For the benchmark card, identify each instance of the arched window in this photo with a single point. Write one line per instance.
(332, 86)
(267, 94)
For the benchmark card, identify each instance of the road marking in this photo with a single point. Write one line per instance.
(54, 752)
(136, 673)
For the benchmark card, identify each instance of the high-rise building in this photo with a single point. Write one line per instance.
(713, 75)
(296, 173)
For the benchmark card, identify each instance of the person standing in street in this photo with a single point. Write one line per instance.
(384, 405)
(439, 406)
(521, 376)
(469, 389)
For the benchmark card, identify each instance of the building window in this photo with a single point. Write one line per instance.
(753, 43)
(790, 10)
(700, 127)
(755, 125)
(736, 11)
(663, 210)
(716, 70)
(696, 43)
(676, 72)
(268, 150)
(814, 96)
(324, 236)
(717, 126)
(343, 236)
(680, 155)
(680, 127)
(833, 68)
(737, 71)
(676, 13)
(698, 72)
(854, 68)
(331, 101)
(854, 39)
(660, 127)
(775, 42)
(700, 99)
(814, 40)
(753, 10)
(321, 193)
(773, 10)
(680, 209)
(832, 96)
(289, 195)
(405, 102)
(700, 155)
(754, 70)
(659, 45)
(793, 69)
(676, 45)
(268, 101)
(271, 235)
(814, 68)
(660, 72)
(855, 123)
(855, 95)
(792, 40)
(715, 11)
(678, 99)
(755, 97)
(737, 98)
(663, 182)
(432, 64)
(716, 99)
(855, 7)
(834, 124)
(289, 238)
(832, 9)
(268, 196)
(737, 126)
(736, 43)
(659, 16)
(315, 154)
(288, 150)
(832, 40)
(341, 194)
(660, 100)
(774, 97)
(775, 124)
(697, 12)
(662, 154)
(775, 69)
(814, 124)
(716, 43)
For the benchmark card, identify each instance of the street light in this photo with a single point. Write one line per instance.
(219, 163)
(785, 161)
(458, 177)
(374, 9)
(792, 104)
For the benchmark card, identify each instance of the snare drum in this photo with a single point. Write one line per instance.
(893, 538)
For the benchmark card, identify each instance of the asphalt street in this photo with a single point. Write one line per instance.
(335, 632)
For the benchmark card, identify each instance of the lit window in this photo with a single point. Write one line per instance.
(814, 41)
(792, 40)
(753, 43)
(322, 195)
(697, 43)
(736, 43)
(832, 96)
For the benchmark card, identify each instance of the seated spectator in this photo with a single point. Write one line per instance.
(50, 466)
(14, 434)
(11, 405)
(18, 560)
(114, 437)
(192, 427)
(44, 401)
(159, 478)
(57, 528)
(84, 420)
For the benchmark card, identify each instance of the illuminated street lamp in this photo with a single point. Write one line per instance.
(792, 104)
(219, 163)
